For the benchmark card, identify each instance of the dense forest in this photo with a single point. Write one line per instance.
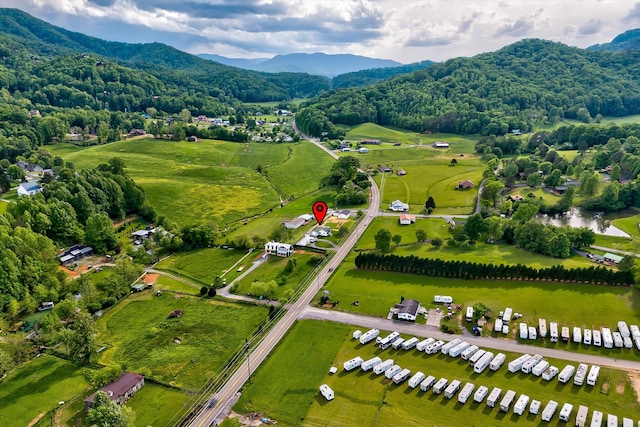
(526, 83)
(375, 75)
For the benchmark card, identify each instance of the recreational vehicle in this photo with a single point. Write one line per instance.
(476, 356)
(529, 364)
(469, 315)
(357, 334)
(549, 411)
(534, 408)
(382, 367)
(424, 343)
(594, 372)
(553, 332)
(448, 346)
(542, 366)
(386, 342)
(565, 334)
(524, 331)
(402, 376)
(369, 335)
(469, 351)
(466, 392)
(607, 338)
(577, 335)
(637, 342)
(494, 397)
(434, 347)
(452, 389)
(444, 299)
(392, 371)
(521, 404)
(371, 363)
(397, 343)
(581, 373)
(353, 363)
(410, 343)
(326, 391)
(457, 350)
(627, 342)
(623, 329)
(586, 337)
(440, 385)
(507, 400)
(565, 412)
(497, 326)
(612, 420)
(635, 331)
(506, 317)
(542, 328)
(416, 379)
(566, 374)
(533, 334)
(627, 422)
(497, 361)
(596, 419)
(516, 365)
(581, 416)
(427, 383)
(482, 364)
(550, 373)
(617, 340)
(596, 338)
(480, 394)
(505, 328)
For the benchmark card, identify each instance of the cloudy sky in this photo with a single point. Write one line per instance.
(403, 30)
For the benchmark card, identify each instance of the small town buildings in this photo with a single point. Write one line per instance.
(120, 390)
(279, 249)
(398, 206)
(465, 185)
(406, 219)
(29, 189)
(440, 145)
(407, 309)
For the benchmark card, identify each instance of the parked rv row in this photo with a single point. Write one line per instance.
(537, 366)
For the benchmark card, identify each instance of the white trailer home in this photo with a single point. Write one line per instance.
(635, 331)
(566, 374)
(617, 340)
(581, 416)
(469, 351)
(577, 335)
(550, 373)
(505, 328)
(476, 356)
(565, 412)
(369, 335)
(627, 422)
(542, 328)
(612, 420)
(448, 346)
(410, 343)
(392, 371)
(607, 338)
(529, 364)
(440, 385)
(516, 365)
(594, 372)
(397, 343)
(524, 331)
(424, 343)
(435, 347)
(357, 334)
(466, 392)
(596, 338)
(627, 342)
(353, 363)
(623, 329)
(506, 317)
(457, 350)
(596, 419)
(497, 325)
(553, 332)
(494, 397)
(534, 408)
(565, 334)
(427, 383)
(637, 342)
(586, 337)
(469, 315)
(385, 343)
(443, 299)
(452, 389)
(326, 391)
(581, 374)
(480, 394)
(533, 334)
(542, 366)
(482, 364)
(416, 379)
(497, 361)
(507, 400)
(549, 411)
(382, 367)
(370, 364)
(521, 404)
(402, 376)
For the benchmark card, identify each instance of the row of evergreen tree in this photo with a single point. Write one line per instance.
(472, 270)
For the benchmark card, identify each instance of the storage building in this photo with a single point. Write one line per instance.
(452, 389)
(534, 408)
(577, 335)
(424, 343)
(402, 376)
(594, 372)
(494, 397)
(469, 351)
(565, 412)
(566, 373)
(448, 346)
(507, 400)
(427, 383)
(440, 385)
(369, 335)
(542, 328)
(353, 363)
(521, 404)
(581, 373)
(596, 419)
(596, 338)
(553, 332)
(497, 361)
(392, 371)
(466, 392)
(480, 394)
(416, 379)
(326, 391)
(623, 329)
(529, 364)
(457, 350)
(382, 367)
(482, 364)
(476, 356)
(410, 343)
(549, 411)
(581, 416)
(516, 365)
(550, 373)
(586, 337)
(542, 366)
(369, 364)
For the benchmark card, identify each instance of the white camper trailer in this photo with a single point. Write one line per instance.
(612, 420)
(627, 422)
(469, 351)
(542, 328)
(596, 419)
(353, 363)
(586, 337)
(577, 335)
(357, 334)
(482, 364)
(506, 317)
(607, 338)
(385, 343)
(507, 400)
(581, 373)
(476, 356)
(326, 391)
(392, 371)
(497, 325)
(416, 379)
(369, 335)
(521, 404)
(452, 389)
(553, 332)
(549, 411)
(424, 343)
(533, 334)
(542, 366)
(440, 385)
(566, 374)
(397, 343)
(497, 361)
(434, 347)
(516, 365)
(382, 367)
(410, 343)
(635, 331)
(469, 315)
(617, 340)
(480, 394)
(402, 376)
(505, 328)
(534, 408)
(529, 364)
(524, 331)
(550, 373)
(457, 350)
(627, 342)
(427, 383)
(448, 346)
(596, 338)
(565, 412)
(443, 299)
(466, 392)
(494, 397)
(371, 363)
(594, 372)
(565, 334)
(623, 329)
(581, 416)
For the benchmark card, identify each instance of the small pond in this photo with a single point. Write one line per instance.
(577, 218)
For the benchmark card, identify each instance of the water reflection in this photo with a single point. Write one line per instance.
(577, 218)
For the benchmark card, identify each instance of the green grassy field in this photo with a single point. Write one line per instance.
(362, 398)
(139, 335)
(169, 284)
(434, 227)
(302, 172)
(192, 264)
(155, 405)
(393, 135)
(3, 206)
(591, 305)
(37, 387)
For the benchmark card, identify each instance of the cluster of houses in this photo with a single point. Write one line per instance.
(75, 253)
(385, 169)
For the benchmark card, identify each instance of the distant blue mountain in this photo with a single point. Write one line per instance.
(247, 64)
(629, 40)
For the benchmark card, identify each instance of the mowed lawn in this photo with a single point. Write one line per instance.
(155, 405)
(574, 304)
(202, 265)
(139, 335)
(37, 387)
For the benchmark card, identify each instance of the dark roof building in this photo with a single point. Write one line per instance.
(120, 390)
(407, 309)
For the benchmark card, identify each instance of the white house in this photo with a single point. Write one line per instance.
(406, 219)
(408, 309)
(323, 231)
(279, 249)
(29, 189)
(398, 206)
(441, 145)
(363, 150)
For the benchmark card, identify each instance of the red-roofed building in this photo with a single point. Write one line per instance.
(406, 219)
(465, 184)
(120, 390)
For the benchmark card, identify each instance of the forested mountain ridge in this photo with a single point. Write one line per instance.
(628, 40)
(375, 75)
(531, 81)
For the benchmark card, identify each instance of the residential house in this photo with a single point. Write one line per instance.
(615, 259)
(440, 145)
(401, 172)
(559, 189)
(406, 219)
(29, 189)
(343, 214)
(137, 132)
(279, 249)
(516, 132)
(515, 197)
(323, 231)
(143, 234)
(407, 309)
(120, 390)
(465, 185)
(398, 206)
(384, 169)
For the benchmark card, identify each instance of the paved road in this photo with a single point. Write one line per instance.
(614, 251)
(228, 392)
(485, 342)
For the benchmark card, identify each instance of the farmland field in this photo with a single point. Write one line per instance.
(192, 264)
(139, 335)
(362, 398)
(155, 405)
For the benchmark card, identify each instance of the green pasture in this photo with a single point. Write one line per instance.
(166, 283)
(37, 387)
(393, 135)
(621, 120)
(629, 224)
(362, 398)
(139, 335)
(273, 269)
(202, 265)
(434, 227)
(591, 305)
(155, 405)
(548, 197)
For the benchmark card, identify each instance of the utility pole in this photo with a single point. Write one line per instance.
(246, 349)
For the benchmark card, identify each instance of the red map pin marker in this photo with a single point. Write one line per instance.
(320, 211)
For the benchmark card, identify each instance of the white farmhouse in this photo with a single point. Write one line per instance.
(279, 249)
(398, 206)
(29, 189)
(407, 309)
